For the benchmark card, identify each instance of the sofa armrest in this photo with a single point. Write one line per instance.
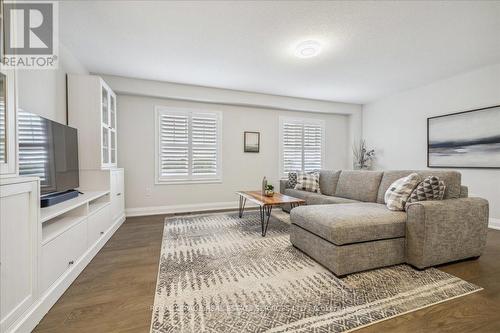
(446, 230)
(283, 185)
(464, 191)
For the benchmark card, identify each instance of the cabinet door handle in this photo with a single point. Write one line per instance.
(118, 194)
(71, 262)
(102, 232)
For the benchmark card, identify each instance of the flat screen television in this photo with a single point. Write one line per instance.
(49, 150)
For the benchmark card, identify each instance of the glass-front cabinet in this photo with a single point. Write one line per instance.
(92, 110)
(8, 157)
(108, 127)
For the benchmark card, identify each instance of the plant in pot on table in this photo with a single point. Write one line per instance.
(269, 191)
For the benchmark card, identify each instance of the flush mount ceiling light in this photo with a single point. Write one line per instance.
(308, 49)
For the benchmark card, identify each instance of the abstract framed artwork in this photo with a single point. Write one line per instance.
(251, 142)
(469, 139)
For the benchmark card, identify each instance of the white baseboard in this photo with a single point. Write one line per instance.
(494, 223)
(37, 311)
(174, 209)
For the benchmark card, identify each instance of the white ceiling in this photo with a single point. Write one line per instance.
(371, 49)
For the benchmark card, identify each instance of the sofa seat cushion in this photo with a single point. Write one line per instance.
(350, 223)
(316, 198)
(328, 200)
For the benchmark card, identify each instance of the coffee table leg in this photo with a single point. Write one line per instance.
(243, 200)
(265, 215)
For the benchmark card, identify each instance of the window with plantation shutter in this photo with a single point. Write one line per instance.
(34, 155)
(302, 144)
(188, 146)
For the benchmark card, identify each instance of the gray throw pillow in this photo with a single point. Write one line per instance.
(431, 188)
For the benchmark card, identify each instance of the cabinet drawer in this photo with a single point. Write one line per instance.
(98, 224)
(62, 253)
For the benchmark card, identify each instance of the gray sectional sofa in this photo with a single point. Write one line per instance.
(349, 229)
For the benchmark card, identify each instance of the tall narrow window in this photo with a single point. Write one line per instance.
(188, 146)
(302, 144)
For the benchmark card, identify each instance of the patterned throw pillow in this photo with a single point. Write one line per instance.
(308, 181)
(431, 188)
(398, 193)
(292, 179)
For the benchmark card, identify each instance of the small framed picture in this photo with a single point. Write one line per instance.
(251, 142)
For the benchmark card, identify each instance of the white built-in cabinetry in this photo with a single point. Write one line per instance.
(19, 248)
(92, 110)
(43, 250)
(8, 128)
(117, 193)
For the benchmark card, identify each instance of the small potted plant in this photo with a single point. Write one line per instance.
(269, 191)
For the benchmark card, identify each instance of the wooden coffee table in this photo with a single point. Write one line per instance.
(265, 204)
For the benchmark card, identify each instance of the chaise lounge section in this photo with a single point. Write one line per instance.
(348, 227)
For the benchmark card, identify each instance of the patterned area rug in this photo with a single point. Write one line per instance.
(217, 274)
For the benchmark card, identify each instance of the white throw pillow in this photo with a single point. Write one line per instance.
(308, 181)
(399, 192)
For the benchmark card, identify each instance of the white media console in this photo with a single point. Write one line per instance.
(43, 250)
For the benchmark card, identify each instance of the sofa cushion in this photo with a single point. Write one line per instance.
(315, 198)
(328, 180)
(431, 188)
(298, 193)
(327, 200)
(359, 185)
(452, 180)
(350, 223)
(292, 179)
(308, 181)
(399, 192)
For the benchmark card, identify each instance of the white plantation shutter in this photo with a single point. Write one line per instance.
(3, 134)
(302, 143)
(292, 146)
(34, 152)
(188, 145)
(313, 147)
(174, 145)
(204, 144)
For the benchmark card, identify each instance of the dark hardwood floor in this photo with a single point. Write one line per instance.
(115, 292)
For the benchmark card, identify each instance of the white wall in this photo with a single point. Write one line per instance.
(241, 171)
(44, 91)
(397, 125)
(186, 92)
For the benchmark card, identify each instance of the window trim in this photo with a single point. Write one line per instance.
(303, 121)
(198, 180)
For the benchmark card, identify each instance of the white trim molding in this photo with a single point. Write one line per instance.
(494, 223)
(188, 208)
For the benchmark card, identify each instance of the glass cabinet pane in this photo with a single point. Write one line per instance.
(3, 119)
(113, 147)
(104, 106)
(105, 145)
(112, 111)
